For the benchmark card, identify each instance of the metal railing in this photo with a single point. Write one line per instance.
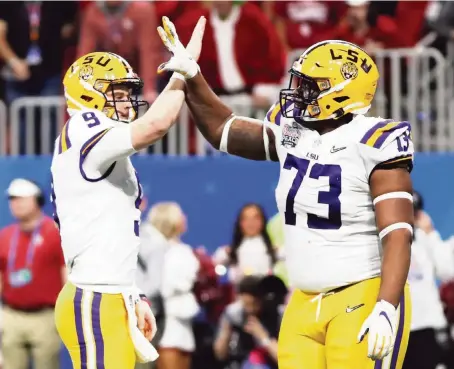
(416, 84)
(25, 113)
(49, 112)
(416, 90)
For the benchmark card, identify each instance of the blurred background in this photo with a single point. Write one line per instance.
(220, 208)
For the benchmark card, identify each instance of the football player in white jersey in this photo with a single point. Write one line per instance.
(345, 193)
(99, 314)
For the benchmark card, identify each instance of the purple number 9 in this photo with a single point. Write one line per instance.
(330, 198)
(91, 119)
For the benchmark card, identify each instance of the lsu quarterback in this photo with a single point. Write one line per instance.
(100, 315)
(345, 193)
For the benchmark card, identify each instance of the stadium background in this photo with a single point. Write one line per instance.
(211, 190)
(417, 84)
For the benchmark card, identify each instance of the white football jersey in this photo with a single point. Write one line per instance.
(323, 194)
(96, 194)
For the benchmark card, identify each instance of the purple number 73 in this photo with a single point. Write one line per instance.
(330, 198)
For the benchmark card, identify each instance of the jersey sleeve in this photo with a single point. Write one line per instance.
(387, 144)
(100, 141)
(273, 120)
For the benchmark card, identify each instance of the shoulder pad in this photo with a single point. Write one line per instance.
(64, 142)
(83, 127)
(386, 144)
(274, 115)
(377, 135)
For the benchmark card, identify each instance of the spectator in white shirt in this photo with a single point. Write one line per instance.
(153, 247)
(431, 259)
(179, 272)
(251, 251)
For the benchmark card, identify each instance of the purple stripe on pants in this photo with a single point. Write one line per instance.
(400, 330)
(97, 333)
(79, 328)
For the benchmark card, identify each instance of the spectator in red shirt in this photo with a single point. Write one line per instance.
(401, 21)
(32, 270)
(242, 55)
(364, 25)
(301, 24)
(355, 28)
(127, 29)
(174, 8)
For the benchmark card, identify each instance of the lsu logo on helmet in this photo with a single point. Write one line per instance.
(329, 80)
(89, 78)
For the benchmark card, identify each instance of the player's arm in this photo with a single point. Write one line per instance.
(387, 151)
(108, 144)
(245, 137)
(157, 121)
(103, 143)
(391, 189)
(239, 136)
(163, 113)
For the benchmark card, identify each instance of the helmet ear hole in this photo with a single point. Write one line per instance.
(86, 98)
(341, 99)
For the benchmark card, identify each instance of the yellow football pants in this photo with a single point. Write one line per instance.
(94, 328)
(322, 333)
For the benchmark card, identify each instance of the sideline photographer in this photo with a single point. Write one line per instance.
(249, 327)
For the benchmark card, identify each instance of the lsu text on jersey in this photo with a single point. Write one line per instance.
(333, 252)
(97, 210)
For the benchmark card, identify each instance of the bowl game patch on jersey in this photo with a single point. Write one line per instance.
(291, 133)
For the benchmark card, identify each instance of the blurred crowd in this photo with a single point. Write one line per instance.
(221, 311)
(246, 45)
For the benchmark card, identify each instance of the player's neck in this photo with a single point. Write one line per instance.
(30, 223)
(324, 130)
(329, 125)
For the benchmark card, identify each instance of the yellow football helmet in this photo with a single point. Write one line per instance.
(89, 78)
(329, 80)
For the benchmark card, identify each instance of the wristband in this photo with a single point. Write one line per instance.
(178, 76)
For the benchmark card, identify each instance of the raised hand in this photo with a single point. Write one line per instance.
(183, 59)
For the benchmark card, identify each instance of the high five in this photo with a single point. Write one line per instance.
(345, 193)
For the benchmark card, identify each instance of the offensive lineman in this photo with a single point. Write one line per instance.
(97, 194)
(345, 194)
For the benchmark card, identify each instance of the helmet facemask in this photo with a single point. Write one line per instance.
(299, 100)
(133, 86)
